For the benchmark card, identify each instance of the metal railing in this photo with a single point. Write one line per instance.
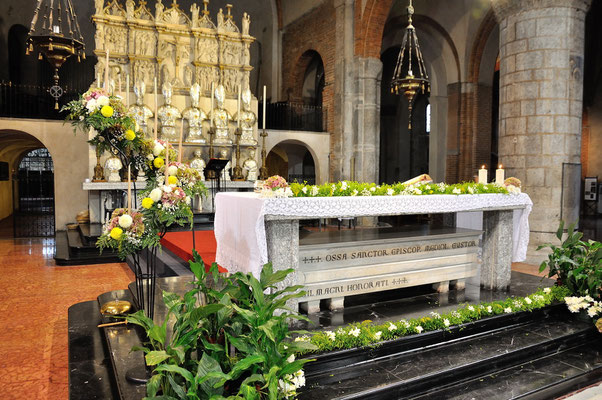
(32, 101)
(293, 116)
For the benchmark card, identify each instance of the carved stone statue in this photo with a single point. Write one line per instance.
(139, 111)
(220, 19)
(159, 10)
(220, 118)
(223, 154)
(99, 6)
(246, 21)
(251, 166)
(129, 9)
(247, 120)
(168, 115)
(198, 163)
(194, 10)
(195, 117)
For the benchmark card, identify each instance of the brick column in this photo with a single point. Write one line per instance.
(541, 93)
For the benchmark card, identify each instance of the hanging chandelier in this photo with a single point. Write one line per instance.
(410, 78)
(55, 33)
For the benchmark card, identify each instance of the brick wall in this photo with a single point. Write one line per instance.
(313, 31)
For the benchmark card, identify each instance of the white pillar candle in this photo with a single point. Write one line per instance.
(180, 141)
(499, 175)
(264, 96)
(483, 175)
(156, 108)
(127, 90)
(106, 86)
(238, 112)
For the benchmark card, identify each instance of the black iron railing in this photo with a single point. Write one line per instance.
(31, 101)
(293, 116)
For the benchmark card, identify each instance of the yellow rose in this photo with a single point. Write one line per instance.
(147, 202)
(106, 111)
(130, 134)
(172, 180)
(158, 163)
(116, 233)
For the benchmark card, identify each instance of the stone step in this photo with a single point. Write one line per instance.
(413, 370)
(65, 254)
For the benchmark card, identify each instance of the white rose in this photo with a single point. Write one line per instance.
(188, 200)
(125, 221)
(102, 101)
(172, 170)
(547, 290)
(155, 194)
(158, 149)
(91, 105)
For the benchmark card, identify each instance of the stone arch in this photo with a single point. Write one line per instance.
(319, 168)
(14, 145)
(476, 134)
(443, 65)
(298, 73)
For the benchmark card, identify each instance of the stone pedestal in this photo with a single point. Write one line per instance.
(541, 72)
(497, 250)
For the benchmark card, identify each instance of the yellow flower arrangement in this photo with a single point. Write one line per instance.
(147, 202)
(116, 233)
(106, 111)
(158, 162)
(172, 180)
(130, 134)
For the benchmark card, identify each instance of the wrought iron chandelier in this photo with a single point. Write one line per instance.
(405, 79)
(56, 34)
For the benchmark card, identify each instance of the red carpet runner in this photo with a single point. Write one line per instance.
(180, 243)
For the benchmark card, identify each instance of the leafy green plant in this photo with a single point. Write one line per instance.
(575, 263)
(230, 337)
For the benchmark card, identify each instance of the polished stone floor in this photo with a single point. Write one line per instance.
(34, 299)
(35, 296)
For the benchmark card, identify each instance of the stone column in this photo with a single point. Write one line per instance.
(497, 250)
(282, 239)
(541, 54)
(366, 144)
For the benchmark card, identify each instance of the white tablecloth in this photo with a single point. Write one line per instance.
(240, 218)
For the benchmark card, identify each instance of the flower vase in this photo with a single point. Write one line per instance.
(113, 165)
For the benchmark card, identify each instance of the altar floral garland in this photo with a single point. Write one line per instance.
(368, 334)
(352, 188)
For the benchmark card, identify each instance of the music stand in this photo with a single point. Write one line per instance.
(216, 165)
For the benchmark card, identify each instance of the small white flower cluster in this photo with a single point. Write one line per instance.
(392, 327)
(457, 191)
(513, 189)
(330, 335)
(446, 322)
(94, 104)
(584, 303)
(354, 332)
(435, 315)
(377, 335)
(291, 382)
(276, 194)
(303, 338)
(418, 329)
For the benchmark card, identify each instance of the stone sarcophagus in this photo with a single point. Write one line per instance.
(333, 265)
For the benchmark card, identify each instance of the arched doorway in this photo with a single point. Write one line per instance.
(404, 151)
(313, 81)
(293, 161)
(33, 194)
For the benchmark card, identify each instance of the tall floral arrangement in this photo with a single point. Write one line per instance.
(113, 129)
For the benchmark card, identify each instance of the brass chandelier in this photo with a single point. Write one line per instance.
(55, 33)
(405, 79)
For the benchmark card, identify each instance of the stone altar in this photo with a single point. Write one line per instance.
(251, 231)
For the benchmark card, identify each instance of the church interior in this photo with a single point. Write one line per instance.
(318, 199)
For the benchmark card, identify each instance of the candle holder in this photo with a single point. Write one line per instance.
(263, 171)
(237, 170)
(99, 175)
(210, 173)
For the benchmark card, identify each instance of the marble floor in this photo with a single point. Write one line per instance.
(34, 299)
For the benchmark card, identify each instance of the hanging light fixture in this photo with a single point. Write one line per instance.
(406, 80)
(55, 33)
